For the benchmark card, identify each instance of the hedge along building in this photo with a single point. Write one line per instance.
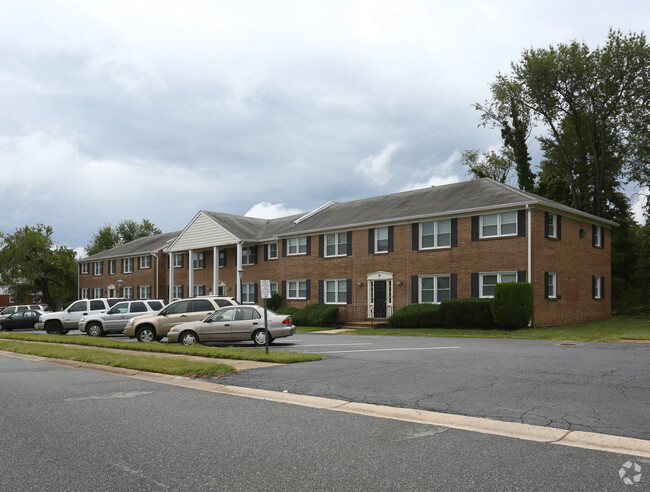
(375, 255)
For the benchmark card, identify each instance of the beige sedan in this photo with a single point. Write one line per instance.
(232, 324)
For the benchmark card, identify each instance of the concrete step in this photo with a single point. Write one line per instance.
(367, 324)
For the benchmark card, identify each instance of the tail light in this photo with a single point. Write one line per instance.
(286, 321)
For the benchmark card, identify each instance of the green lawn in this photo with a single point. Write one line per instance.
(619, 328)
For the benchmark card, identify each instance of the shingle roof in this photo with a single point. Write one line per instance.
(250, 229)
(141, 246)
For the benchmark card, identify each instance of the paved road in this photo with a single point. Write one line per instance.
(70, 429)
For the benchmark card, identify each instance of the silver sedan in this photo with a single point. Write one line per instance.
(233, 324)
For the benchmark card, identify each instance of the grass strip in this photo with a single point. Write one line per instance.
(615, 330)
(140, 362)
(258, 355)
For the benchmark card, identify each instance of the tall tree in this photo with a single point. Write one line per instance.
(125, 231)
(494, 165)
(594, 106)
(32, 265)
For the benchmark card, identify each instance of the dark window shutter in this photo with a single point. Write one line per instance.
(225, 257)
(547, 232)
(391, 238)
(415, 236)
(454, 233)
(521, 223)
(122, 264)
(453, 286)
(593, 287)
(349, 300)
(371, 241)
(415, 284)
(308, 245)
(266, 252)
(475, 292)
(308, 289)
(321, 295)
(521, 276)
(255, 293)
(255, 250)
(602, 287)
(475, 226)
(593, 236)
(559, 227)
(101, 268)
(283, 293)
(545, 285)
(602, 238)
(284, 248)
(349, 244)
(321, 246)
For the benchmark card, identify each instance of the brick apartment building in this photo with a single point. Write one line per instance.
(375, 255)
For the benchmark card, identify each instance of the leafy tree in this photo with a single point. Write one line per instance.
(32, 265)
(125, 231)
(595, 108)
(496, 166)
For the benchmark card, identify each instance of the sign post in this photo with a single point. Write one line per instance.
(265, 290)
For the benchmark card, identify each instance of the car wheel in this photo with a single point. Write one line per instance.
(94, 330)
(188, 338)
(54, 328)
(259, 338)
(146, 335)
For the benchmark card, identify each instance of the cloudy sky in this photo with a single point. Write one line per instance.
(133, 109)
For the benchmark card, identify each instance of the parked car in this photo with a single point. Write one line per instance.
(21, 320)
(234, 324)
(152, 327)
(62, 322)
(116, 318)
(9, 310)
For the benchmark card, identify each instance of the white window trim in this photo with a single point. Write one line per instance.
(337, 242)
(98, 292)
(435, 288)
(599, 237)
(377, 251)
(552, 295)
(127, 265)
(127, 292)
(85, 293)
(297, 289)
(178, 260)
(269, 257)
(337, 292)
(85, 268)
(112, 267)
(97, 268)
(178, 289)
(499, 281)
(598, 281)
(198, 260)
(145, 292)
(196, 290)
(435, 235)
(552, 232)
(144, 262)
(247, 256)
(499, 225)
(274, 288)
(248, 293)
(298, 241)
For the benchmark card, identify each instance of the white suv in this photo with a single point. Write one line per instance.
(61, 322)
(115, 319)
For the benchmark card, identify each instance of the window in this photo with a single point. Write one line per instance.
(550, 285)
(434, 289)
(85, 293)
(145, 292)
(198, 261)
(138, 307)
(272, 251)
(85, 268)
(336, 291)
(248, 293)
(551, 225)
(198, 290)
(200, 305)
(156, 305)
(178, 261)
(597, 287)
(488, 281)
(381, 240)
(274, 288)
(78, 306)
(97, 305)
(98, 268)
(297, 246)
(248, 255)
(296, 289)
(177, 292)
(246, 313)
(98, 292)
(597, 237)
(503, 224)
(436, 234)
(145, 262)
(222, 258)
(128, 293)
(119, 308)
(336, 244)
(112, 267)
(127, 265)
(178, 307)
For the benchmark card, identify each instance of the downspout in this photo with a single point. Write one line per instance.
(171, 277)
(530, 243)
(240, 270)
(153, 253)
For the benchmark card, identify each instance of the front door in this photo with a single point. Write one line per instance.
(379, 287)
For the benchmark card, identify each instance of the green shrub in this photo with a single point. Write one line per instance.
(315, 315)
(274, 302)
(416, 316)
(470, 312)
(512, 305)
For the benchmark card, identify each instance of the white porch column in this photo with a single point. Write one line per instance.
(190, 291)
(215, 271)
(240, 270)
(171, 277)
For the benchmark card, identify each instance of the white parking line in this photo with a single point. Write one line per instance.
(387, 350)
(336, 344)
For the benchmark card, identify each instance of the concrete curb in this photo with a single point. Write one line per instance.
(549, 435)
